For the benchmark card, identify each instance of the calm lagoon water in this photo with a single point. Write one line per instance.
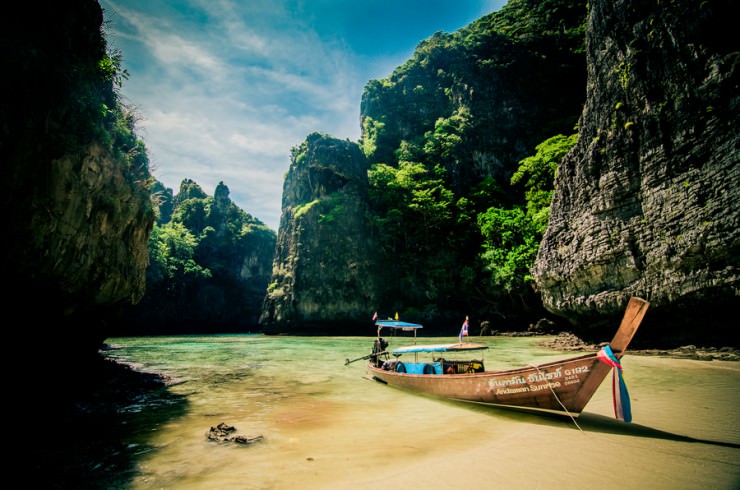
(326, 426)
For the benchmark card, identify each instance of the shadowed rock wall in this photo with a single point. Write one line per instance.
(77, 219)
(647, 202)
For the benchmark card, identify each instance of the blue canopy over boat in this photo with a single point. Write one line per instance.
(398, 324)
(465, 346)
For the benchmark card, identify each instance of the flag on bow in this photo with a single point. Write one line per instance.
(375, 316)
(620, 395)
(464, 329)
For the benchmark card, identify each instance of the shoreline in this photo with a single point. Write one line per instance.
(567, 341)
(160, 442)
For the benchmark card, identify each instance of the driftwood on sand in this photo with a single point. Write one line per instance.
(226, 433)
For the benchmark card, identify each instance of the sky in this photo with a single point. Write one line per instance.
(223, 89)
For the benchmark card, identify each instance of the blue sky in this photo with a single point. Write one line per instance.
(225, 88)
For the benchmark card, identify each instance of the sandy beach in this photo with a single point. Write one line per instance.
(332, 428)
(685, 435)
(321, 425)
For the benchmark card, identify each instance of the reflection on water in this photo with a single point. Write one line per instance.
(325, 426)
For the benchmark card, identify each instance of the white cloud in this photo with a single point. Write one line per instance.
(226, 101)
(226, 88)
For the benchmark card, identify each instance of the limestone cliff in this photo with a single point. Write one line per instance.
(466, 107)
(322, 275)
(480, 99)
(73, 181)
(647, 202)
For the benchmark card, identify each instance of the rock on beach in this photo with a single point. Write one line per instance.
(567, 341)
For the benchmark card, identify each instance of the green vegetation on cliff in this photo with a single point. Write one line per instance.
(439, 243)
(209, 264)
(460, 141)
(323, 279)
(496, 87)
(511, 236)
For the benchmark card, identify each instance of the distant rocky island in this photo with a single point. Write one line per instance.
(209, 263)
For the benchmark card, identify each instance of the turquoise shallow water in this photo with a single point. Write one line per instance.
(326, 426)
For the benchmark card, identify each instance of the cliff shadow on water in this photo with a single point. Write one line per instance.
(87, 424)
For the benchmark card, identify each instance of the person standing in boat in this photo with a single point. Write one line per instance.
(379, 347)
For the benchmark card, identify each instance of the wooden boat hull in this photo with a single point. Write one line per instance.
(561, 386)
(554, 386)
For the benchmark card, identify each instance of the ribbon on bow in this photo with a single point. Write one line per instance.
(620, 395)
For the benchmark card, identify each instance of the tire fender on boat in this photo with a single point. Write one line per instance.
(400, 367)
(429, 369)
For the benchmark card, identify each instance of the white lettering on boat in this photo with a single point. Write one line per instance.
(527, 389)
(515, 380)
(545, 376)
(544, 379)
(576, 370)
(551, 384)
(511, 391)
(572, 375)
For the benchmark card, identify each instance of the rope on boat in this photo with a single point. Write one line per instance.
(558, 399)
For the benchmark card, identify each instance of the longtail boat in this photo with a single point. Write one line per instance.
(561, 387)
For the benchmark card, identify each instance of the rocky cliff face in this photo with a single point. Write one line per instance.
(77, 216)
(238, 250)
(480, 99)
(647, 202)
(322, 275)
(210, 265)
(466, 107)
(89, 229)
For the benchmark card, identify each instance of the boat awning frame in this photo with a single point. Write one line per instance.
(464, 347)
